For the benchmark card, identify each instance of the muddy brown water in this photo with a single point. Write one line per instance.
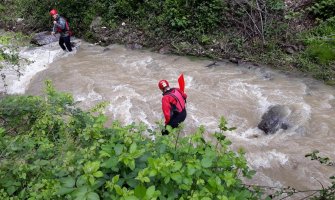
(127, 79)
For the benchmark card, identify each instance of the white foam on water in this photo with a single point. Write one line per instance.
(251, 133)
(40, 59)
(143, 118)
(139, 63)
(94, 96)
(121, 104)
(87, 99)
(121, 111)
(79, 98)
(241, 89)
(300, 114)
(267, 159)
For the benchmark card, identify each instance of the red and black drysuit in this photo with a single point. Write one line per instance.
(174, 107)
(62, 27)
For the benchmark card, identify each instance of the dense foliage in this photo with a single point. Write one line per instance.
(52, 150)
(275, 32)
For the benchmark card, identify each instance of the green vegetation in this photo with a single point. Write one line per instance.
(298, 36)
(319, 54)
(52, 150)
(323, 9)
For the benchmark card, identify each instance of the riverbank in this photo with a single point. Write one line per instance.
(286, 35)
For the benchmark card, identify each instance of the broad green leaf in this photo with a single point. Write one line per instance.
(131, 198)
(133, 147)
(185, 187)
(206, 162)
(64, 190)
(80, 192)
(150, 192)
(92, 196)
(115, 179)
(91, 179)
(211, 181)
(132, 182)
(229, 178)
(98, 174)
(91, 167)
(68, 182)
(177, 166)
(11, 189)
(118, 190)
(187, 181)
(104, 154)
(222, 197)
(131, 164)
(118, 149)
(153, 172)
(191, 170)
(110, 163)
(138, 153)
(140, 191)
(167, 179)
(80, 181)
(177, 177)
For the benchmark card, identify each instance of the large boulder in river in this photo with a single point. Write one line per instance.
(274, 119)
(44, 38)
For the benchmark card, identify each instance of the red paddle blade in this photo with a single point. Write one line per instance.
(181, 82)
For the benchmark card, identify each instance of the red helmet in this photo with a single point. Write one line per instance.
(163, 84)
(53, 12)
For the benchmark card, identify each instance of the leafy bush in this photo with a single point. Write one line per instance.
(323, 9)
(35, 13)
(323, 53)
(319, 55)
(62, 152)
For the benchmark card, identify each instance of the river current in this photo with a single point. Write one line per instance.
(127, 79)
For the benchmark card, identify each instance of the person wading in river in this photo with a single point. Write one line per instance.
(173, 105)
(61, 26)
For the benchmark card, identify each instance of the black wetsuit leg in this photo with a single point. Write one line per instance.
(67, 42)
(61, 43)
(175, 120)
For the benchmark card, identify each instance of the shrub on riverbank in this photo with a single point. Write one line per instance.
(274, 32)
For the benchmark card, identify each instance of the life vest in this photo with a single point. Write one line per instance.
(66, 29)
(180, 105)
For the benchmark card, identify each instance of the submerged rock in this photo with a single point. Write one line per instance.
(274, 119)
(44, 38)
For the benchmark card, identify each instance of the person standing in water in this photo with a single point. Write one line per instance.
(173, 105)
(61, 26)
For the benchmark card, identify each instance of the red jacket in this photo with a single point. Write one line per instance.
(173, 100)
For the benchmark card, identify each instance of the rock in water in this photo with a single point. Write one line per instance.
(274, 119)
(44, 38)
